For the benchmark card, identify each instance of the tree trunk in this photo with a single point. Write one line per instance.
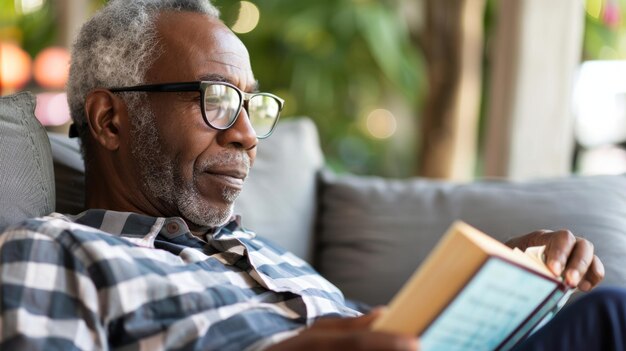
(452, 43)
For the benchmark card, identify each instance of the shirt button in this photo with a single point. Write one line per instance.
(172, 227)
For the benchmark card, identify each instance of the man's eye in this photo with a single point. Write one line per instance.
(213, 102)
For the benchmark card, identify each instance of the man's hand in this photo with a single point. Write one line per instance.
(347, 334)
(566, 255)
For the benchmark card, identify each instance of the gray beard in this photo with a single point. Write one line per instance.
(161, 178)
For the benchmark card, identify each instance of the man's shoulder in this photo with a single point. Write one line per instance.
(54, 227)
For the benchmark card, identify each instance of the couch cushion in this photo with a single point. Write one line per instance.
(375, 232)
(279, 198)
(69, 173)
(26, 177)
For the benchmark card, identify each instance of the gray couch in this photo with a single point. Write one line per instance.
(365, 234)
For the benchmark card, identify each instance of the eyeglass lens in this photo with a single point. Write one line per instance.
(263, 111)
(221, 103)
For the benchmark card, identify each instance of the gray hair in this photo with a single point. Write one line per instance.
(116, 47)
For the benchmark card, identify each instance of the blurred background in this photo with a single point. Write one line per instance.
(450, 89)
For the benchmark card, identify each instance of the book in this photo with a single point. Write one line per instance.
(474, 293)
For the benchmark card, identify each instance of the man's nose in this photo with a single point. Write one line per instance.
(241, 134)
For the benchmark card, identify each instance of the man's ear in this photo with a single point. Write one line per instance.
(105, 115)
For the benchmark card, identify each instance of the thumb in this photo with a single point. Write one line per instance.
(367, 319)
(349, 324)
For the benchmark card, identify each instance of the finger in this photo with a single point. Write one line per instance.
(341, 340)
(375, 341)
(578, 262)
(560, 244)
(595, 274)
(347, 324)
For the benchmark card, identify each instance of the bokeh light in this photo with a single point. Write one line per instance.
(52, 67)
(15, 66)
(594, 8)
(603, 160)
(52, 109)
(248, 19)
(600, 103)
(611, 15)
(29, 6)
(381, 124)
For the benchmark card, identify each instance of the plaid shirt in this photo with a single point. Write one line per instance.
(112, 280)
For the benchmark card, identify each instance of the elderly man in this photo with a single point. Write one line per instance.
(165, 103)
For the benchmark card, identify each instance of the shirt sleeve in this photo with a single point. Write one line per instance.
(47, 301)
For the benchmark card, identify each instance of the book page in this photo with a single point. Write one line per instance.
(536, 254)
(493, 304)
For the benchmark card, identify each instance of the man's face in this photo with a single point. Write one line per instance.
(186, 167)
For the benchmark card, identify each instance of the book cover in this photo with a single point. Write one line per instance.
(474, 293)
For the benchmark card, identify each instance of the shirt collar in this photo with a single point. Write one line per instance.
(142, 229)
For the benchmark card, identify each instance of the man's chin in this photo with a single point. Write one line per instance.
(206, 216)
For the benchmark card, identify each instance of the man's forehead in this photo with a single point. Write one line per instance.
(200, 47)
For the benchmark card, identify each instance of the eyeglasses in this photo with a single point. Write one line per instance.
(221, 104)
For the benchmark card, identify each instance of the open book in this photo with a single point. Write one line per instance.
(474, 293)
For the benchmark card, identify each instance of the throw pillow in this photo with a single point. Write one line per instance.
(26, 176)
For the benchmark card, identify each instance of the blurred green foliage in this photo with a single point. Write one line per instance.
(605, 30)
(32, 31)
(335, 61)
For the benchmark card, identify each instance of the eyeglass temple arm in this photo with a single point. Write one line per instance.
(189, 86)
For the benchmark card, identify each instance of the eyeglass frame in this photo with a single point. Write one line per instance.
(200, 86)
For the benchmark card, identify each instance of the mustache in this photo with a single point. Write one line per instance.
(231, 159)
